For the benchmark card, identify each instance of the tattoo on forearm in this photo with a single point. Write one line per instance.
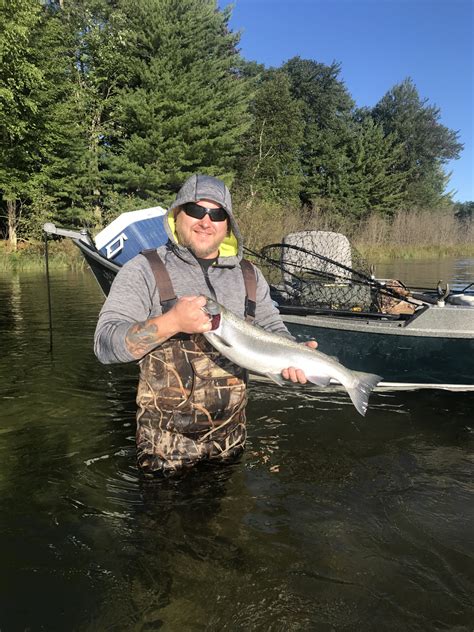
(141, 339)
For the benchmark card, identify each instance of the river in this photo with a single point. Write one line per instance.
(330, 522)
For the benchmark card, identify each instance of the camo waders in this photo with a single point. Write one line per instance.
(191, 400)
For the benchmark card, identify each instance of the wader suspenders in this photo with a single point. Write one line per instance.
(167, 293)
(162, 278)
(250, 281)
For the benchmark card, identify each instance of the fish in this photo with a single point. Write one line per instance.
(267, 353)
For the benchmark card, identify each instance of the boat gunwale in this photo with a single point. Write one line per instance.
(382, 327)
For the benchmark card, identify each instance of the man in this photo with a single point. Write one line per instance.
(191, 400)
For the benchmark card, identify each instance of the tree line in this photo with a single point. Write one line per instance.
(108, 105)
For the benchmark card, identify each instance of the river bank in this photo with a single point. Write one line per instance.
(64, 254)
(407, 235)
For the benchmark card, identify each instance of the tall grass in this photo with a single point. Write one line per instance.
(31, 256)
(415, 234)
(408, 234)
(269, 223)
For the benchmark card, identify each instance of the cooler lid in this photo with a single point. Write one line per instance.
(122, 221)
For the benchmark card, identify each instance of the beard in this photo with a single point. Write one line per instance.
(202, 242)
(200, 250)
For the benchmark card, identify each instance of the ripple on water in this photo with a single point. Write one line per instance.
(330, 521)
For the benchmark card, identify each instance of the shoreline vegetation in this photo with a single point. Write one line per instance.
(407, 235)
(96, 123)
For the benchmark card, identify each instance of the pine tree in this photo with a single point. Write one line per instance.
(427, 144)
(185, 106)
(326, 107)
(62, 189)
(367, 180)
(99, 39)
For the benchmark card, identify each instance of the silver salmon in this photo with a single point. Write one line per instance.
(268, 354)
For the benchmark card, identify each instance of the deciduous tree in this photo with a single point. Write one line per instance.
(21, 80)
(270, 166)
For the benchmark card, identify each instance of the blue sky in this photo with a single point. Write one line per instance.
(378, 44)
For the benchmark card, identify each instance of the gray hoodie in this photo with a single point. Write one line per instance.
(134, 296)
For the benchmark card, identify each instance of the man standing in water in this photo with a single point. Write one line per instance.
(191, 400)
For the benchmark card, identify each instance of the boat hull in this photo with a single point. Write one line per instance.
(403, 355)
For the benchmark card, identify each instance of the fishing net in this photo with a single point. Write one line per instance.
(321, 270)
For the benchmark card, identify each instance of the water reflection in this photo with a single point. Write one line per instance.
(456, 272)
(329, 522)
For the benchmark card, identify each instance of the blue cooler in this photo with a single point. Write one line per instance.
(132, 232)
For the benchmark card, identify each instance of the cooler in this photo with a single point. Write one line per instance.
(132, 232)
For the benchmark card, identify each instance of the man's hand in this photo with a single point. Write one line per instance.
(187, 315)
(297, 375)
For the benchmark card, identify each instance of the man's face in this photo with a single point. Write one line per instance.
(202, 236)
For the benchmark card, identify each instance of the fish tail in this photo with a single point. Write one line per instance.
(365, 383)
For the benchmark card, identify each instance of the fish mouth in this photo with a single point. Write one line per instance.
(213, 309)
(215, 322)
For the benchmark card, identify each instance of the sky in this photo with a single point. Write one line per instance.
(378, 43)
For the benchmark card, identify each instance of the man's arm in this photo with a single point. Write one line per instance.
(267, 315)
(186, 316)
(130, 322)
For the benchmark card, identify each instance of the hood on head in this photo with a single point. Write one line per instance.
(202, 187)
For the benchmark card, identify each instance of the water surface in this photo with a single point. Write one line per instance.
(330, 521)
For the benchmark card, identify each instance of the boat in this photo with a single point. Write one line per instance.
(413, 337)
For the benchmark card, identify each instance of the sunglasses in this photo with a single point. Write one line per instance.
(198, 212)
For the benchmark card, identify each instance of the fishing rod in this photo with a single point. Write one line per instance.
(322, 276)
(364, 278)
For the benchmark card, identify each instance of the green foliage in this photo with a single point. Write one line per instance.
(100, 54)
(20, 81)
(427, 144)
(366, 180)
(184, 108)
(43, 171)
(347, 161)
(464, 211)
(108, 106)
(269, 164)
(326, 108)
(62, 186)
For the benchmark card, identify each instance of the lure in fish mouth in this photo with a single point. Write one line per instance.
(268, 354)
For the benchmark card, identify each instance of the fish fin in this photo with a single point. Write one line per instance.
(320, 380)
(276, 377)
(360, 393)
